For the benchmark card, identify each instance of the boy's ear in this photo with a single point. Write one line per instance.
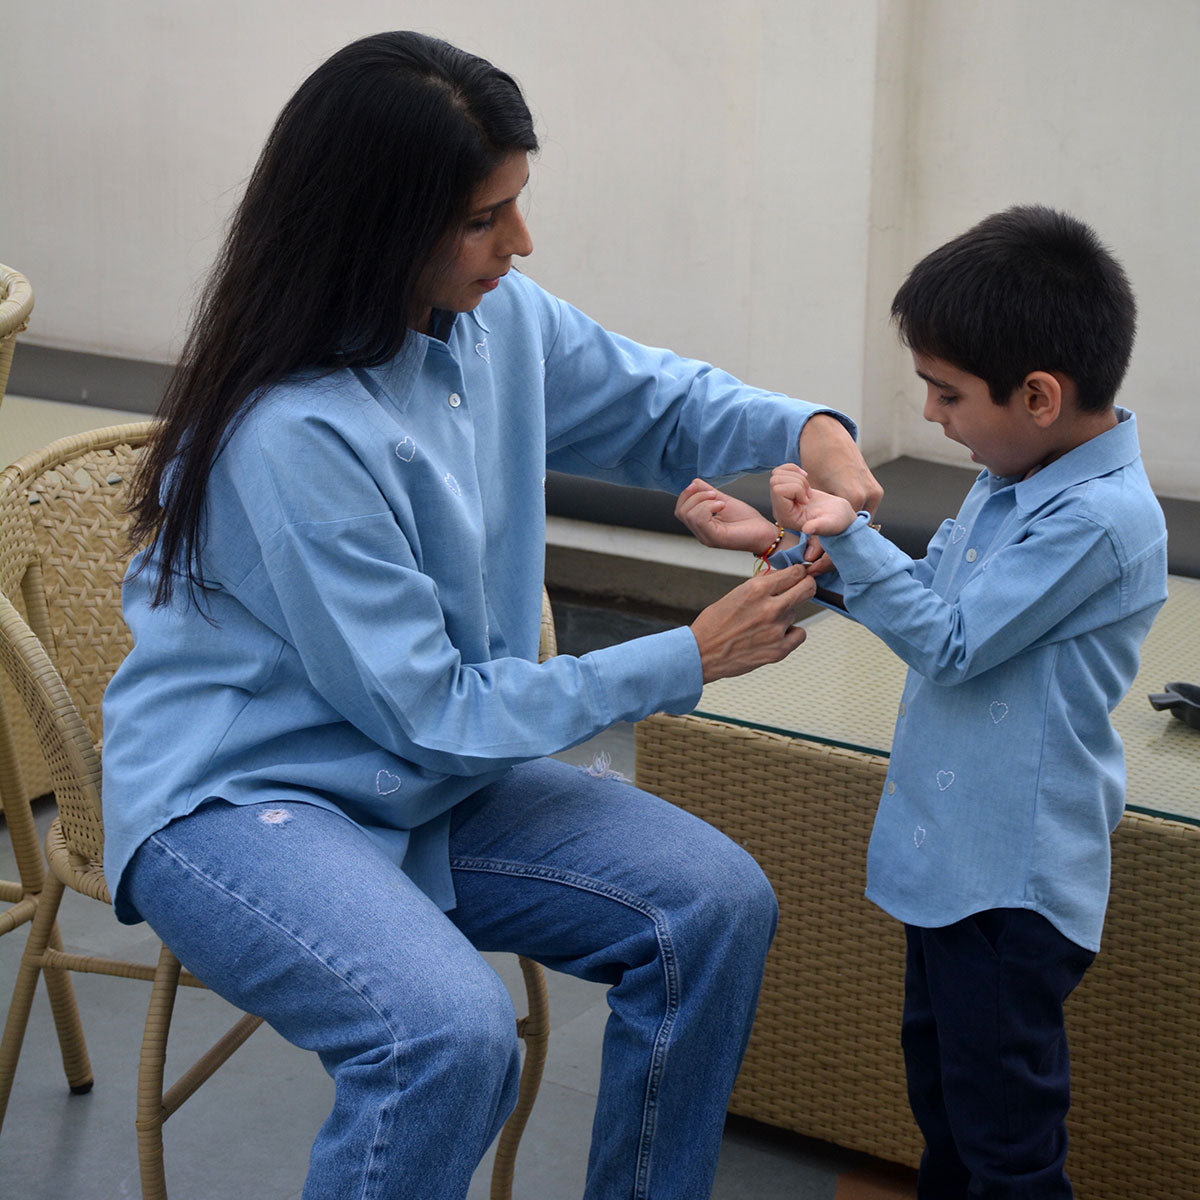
(1042, 396)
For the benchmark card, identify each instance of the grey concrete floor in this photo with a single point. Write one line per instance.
(247, 1132)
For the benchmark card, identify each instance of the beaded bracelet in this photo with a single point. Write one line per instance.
(762, 562)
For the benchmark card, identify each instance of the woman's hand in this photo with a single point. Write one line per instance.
(834, 464)
(753, 624)
(717, 519)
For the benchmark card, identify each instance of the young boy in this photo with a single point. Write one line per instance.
(1021, 628)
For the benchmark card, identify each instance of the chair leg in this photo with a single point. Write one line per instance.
(535, 1030)
(22, 832)
(77, 1066)
(40, 932)
(150, 1113)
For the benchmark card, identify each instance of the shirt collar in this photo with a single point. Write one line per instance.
(1111, 450)
(444, 323)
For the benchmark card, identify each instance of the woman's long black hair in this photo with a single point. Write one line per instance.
(370, 165)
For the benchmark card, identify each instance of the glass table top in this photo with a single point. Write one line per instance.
(842, 686)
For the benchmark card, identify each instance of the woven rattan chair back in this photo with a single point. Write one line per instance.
(63, 553)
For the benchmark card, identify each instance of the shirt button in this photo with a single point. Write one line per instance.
(972, 555)
(891, 787)
(902, 708)
(454, 399)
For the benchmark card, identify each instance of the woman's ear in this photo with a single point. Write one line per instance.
(1042, 395)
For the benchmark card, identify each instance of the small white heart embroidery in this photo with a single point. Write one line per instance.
(481, 348)
(960, 532)
(406, 449)
(918, 835)
(453, 484)
(944, 779)
(386, 783)
(999, 710)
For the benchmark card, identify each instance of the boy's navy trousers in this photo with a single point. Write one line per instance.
(986, 1054)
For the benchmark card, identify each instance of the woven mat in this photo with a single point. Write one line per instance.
(842, 687)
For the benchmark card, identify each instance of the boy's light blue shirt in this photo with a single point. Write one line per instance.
(375, 543)
(1022, 628)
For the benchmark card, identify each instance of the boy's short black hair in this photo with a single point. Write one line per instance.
(1027, 289)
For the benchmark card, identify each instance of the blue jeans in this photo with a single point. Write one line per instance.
(985, 1049)
(292, 912)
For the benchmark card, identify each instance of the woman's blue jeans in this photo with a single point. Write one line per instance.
(292, 912)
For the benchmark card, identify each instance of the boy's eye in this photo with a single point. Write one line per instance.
(947, 399)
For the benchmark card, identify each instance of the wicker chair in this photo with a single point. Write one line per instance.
(16, 303)
(62, 548)
(22, 772)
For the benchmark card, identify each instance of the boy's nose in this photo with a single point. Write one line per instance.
(933, 410)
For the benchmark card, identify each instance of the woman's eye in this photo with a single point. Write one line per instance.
(481, 226)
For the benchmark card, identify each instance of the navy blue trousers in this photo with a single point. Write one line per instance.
(986, 1054)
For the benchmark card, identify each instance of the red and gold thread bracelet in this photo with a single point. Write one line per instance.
(762, 563)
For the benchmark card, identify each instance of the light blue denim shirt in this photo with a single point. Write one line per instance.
(375, 547)
(1021, 628)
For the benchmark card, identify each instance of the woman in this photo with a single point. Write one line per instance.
(336, 620)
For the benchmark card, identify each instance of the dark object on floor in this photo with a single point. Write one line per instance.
(1182, 700)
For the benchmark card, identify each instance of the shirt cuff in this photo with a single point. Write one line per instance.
(793, 554)
(856, 550)
(657, 673)
(850, 426)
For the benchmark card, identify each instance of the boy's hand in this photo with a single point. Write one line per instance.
(827, 514)
(717, 519)
(799, 505)
(789, 495)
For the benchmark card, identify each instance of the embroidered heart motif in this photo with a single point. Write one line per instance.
(999, 710)
(386, 783)
(406, 449)
(452, 484)
(944, 780)
(481, 348)
(918, 835)
(959, 532)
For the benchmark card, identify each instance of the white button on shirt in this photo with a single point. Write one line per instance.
(454, 399)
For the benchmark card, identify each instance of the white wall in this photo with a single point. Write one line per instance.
(744, 180)
(1088, 105)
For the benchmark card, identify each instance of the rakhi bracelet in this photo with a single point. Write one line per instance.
(762, 562)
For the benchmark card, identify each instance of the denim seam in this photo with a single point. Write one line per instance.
(372, 1175)
(203, 875)
(658, 1056)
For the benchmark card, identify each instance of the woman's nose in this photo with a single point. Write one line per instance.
(519, 242)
